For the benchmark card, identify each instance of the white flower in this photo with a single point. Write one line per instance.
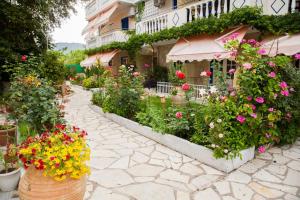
(211, 125)
(203, 73)
(213, 89)
(225, 151)
(213, 145)
(221, 135)
(219, 120)
(202, 92)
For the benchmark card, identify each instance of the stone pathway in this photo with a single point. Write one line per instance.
(128, 166)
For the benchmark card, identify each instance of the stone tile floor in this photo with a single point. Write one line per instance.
(128, 166)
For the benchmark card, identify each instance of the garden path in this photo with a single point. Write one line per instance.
(128, 166)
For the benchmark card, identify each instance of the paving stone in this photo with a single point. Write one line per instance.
(159, 155)
(204, 181)
(291, 154)
(111, 178)
(173, 184)
(104, 153)
(279, 159)
(266, 176)
(139, 157)
(173, 175)
(274, 150)
(101, 163)
(144, 179)
(284, 188)
(210, 170)
(154, 161)
(228, 198)
(264, 156)
(107, 195)
(146, 150)
(191, 169)
(149, 191)
(258, 197)
(241, 191)
(291, 197)
(249, 168)
(265, 191)
(276, 169)
(294, 165)
(167, 151)
(223, 187)
(182, 195)
(238, 176)
(292, 178)
(207, 194)
(122, 163)
(145, 170)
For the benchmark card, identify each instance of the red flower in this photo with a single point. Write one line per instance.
(185, 87)
(23, 58)
(68, 157)
(33, 151)
(57, 165)
(180, 74)
(208, 73)
(179, 115)
(52, 157)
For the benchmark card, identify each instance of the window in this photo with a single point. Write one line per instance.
(231, 65)
(174, 4)
(125, 23)
(124, 60)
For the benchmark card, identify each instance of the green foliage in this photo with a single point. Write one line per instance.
(25, 130)
(98, 98)
(123, 93)
(32, 100)
(155, 74)
(244, 16)
(140, 6)
(74, 57)
(92, 82)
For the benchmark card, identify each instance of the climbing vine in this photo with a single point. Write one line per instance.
(252, 16)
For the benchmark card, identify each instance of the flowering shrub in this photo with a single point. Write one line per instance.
(60, 153)
(254, 112)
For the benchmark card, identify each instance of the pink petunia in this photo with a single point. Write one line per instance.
(261, 149)
(275, 95)
(179, 115)
(231, 71)
(249, 98)
(233, 93)
(241, 118)
(260, 100)
(146, 65)
(136, 74)
(247, 65)
(271, 109)
(272, 74)
(185, 87)
(271, 64)
(262, 52)
(253, 107)
(297, 56)
(284, 92)
(283, 85)
(254, 115)
(267, 135)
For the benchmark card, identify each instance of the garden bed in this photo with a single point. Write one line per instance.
(185, 147)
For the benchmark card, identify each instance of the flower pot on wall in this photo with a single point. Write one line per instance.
(10, 180)
(7, 136)
(35, 186)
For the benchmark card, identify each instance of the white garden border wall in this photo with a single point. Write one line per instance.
(183, 146)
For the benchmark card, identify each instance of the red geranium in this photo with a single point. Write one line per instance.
(180, 74)
(185, 87)
(23, 58)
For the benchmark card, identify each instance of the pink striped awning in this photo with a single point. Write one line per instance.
(203, 47)
(288, 45)
(103, 58)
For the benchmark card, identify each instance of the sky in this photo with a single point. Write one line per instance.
(70, 29)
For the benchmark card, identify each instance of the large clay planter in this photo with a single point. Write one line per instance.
(179, 98)
(35, 186)
(7, 136)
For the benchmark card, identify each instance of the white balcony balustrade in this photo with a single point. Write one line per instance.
(205, 8)
(111, 36)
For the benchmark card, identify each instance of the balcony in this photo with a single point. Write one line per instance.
(111, 36)
(151, 23)
(91, 9)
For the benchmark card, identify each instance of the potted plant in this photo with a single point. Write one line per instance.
(54, 161)
(7, 133)
(9, 169)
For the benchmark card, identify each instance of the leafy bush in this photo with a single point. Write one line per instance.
(98, 98)
(32, 100)
(123, 93)
(90, 82)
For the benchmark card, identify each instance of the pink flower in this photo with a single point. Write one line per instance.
(262, 52)
(292, 89)
(254, 115)
(271, 64)
(253, 107)
(271, 109)
(233, 36)
(231, 71)
(260, 100)
(223, 98)
(233, 53)
(249, 98)
(283, 85)
(185, 87)
(179, 115)
(272, 74)
(261, 149)
(241, 119)
(23, 58)
(233, 93)
(297, 56)
(206, 73)
(275, 95)
(267, 135)
(285, 92)
(247, 65)
(135, 74)
(146, 65)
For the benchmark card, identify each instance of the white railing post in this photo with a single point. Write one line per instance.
(213, 8)
(206, 11)
(225, 6)
(293, 6)
(219, 8)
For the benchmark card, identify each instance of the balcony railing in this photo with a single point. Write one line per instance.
(203, 9)
(91, 9)
(111, 36)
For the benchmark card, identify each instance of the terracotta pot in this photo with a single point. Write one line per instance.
(35, 186)
(179, 98)
(7, 136)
